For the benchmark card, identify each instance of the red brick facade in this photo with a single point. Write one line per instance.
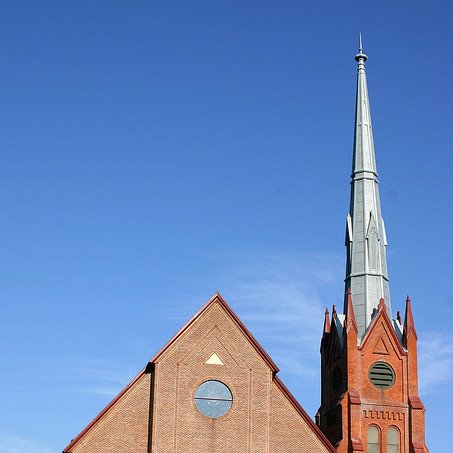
(350, 407)
(122, 426)
(156, 413)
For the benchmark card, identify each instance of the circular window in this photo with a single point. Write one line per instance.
(213, 399)
(337, 379)
(381, 375)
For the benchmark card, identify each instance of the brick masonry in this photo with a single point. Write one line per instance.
(156, 413)
(346, 415)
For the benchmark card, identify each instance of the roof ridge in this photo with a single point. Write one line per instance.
(217, 298)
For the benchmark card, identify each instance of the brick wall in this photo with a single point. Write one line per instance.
(124, 427)
(263, 417)
(346, 416)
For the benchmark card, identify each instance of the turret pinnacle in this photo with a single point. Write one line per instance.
(366, 267)
(409, 325)
(326, 322)
(350, 317)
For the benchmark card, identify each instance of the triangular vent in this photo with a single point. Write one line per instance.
(214, 360)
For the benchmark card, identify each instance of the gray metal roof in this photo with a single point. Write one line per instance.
(366, 241)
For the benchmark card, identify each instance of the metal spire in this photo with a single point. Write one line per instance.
(366, 266)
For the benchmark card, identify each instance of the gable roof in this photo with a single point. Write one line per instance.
(303, 414)
(215, 299)
(218, 299)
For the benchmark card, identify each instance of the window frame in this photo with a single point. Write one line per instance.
(200, 400)
(398, 438)
(379, 435)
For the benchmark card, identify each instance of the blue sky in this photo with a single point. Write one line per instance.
(156, 152)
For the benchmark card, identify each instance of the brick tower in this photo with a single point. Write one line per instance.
(369, 382)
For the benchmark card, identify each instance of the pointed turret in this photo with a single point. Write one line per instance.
(326, 322)
(409, 325)
(350, 317)
(366, 267)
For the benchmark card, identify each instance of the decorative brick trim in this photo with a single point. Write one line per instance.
(383, 415)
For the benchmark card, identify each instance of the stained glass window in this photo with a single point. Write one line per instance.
(213, 399)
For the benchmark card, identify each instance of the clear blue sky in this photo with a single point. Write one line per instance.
(154, 152)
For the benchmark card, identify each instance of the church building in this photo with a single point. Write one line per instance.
(214, 389)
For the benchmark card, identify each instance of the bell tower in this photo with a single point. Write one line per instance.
(369, 380)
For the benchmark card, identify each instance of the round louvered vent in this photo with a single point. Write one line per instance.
(337, 379)
(382, 375)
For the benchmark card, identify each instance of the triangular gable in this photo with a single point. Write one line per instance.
(217, 299)
(213, 357)
(372, 227)
(383, 319)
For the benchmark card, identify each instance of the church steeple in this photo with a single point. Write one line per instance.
(366, 266)
(369, 380)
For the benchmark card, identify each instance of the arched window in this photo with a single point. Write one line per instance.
(393, 440)
(373, 440)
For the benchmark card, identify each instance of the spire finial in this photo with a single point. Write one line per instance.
(361, 56)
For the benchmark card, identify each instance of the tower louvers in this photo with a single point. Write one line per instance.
(369, 380)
